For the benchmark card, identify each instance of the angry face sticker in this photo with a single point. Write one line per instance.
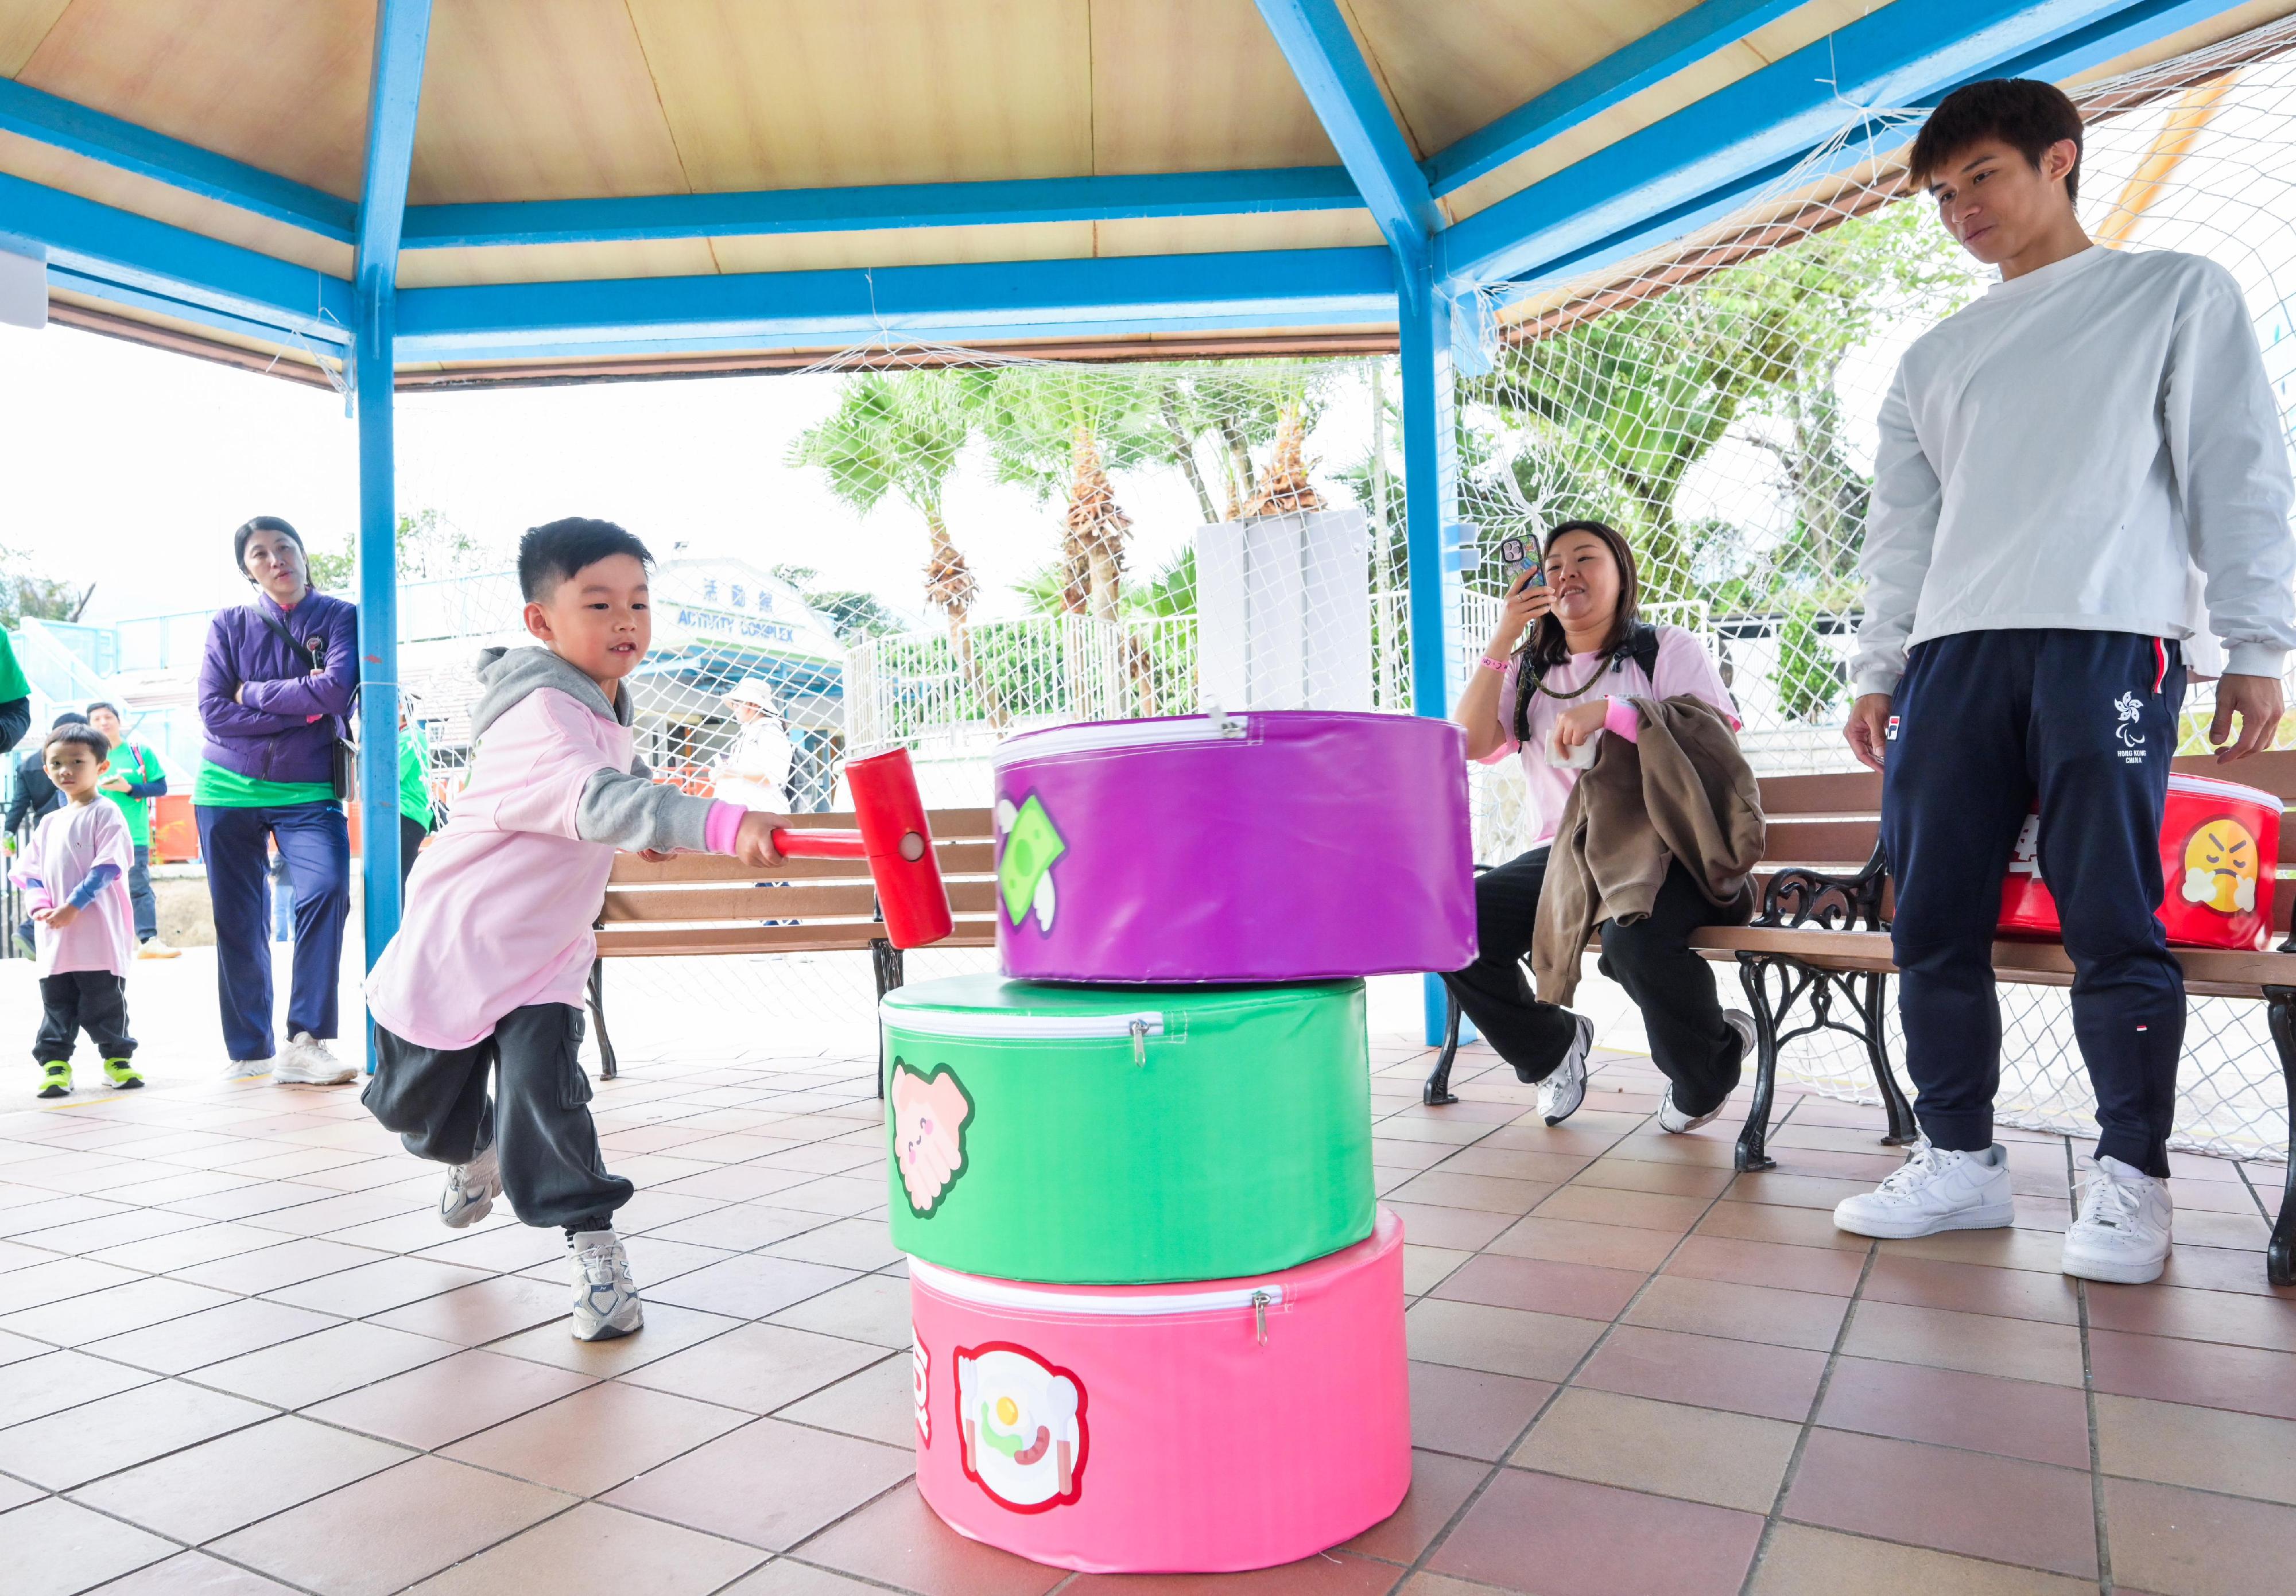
(2221, 863)
(1032, 845)
(929, 1114)
(1022, 1426)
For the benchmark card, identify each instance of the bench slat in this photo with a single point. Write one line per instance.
(662, 941)
(1837, 841)
(1847, 792)
(692, 906)
(957, 858)
(2209, 972)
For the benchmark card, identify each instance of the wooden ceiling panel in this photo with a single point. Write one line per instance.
(799, 94)
(1803, 26)
(147, 196)
(2223, 26)
(538, 100)
(1195, 86)
(904, 246)
(1451, 69)
(556, 263)
(1206, 235)
(23, 24)
(279, 84)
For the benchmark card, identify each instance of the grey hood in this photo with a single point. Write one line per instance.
(511, 674)
(625, 809)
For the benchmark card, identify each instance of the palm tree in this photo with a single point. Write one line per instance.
(901, 433)
(1061, 427)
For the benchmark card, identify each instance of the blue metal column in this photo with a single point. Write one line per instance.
(402, 38)
(1431, 499)
(377, 624)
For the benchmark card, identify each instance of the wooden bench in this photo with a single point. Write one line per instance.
(709, 903)
(1821, 939)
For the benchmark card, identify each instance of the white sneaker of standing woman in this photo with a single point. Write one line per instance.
(306, 1061)
(2122, 1233)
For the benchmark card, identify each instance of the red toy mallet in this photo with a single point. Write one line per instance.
(896, 841)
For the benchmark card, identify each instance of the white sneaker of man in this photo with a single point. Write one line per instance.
(247, 1069)
(1934, 1189)
(306, 1061)
(2122, 1233)
(470, 1192)
(1672, 1120)
(156, 949)
(1565, 1088)
(605, 1298)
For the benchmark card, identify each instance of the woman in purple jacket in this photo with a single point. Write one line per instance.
(275, 688)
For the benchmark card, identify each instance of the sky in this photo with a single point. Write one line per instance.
(129, 467)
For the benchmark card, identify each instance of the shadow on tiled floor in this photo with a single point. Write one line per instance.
(238, 1355)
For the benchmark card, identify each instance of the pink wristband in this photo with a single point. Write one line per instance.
(1622, 719)
(723, 824)
(1501, 665)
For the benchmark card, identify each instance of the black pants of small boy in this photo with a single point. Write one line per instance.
(537, 1119)
(72, 1001)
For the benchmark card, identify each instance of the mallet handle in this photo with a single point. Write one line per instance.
(792, 844)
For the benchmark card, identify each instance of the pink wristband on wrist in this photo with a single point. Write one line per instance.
(1501, 665)
(723, 824)
(1621, 718)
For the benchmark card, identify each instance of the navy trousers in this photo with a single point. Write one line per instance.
(1984, 722)
(314, 844)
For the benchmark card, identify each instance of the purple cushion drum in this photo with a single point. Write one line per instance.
(1065, 1416)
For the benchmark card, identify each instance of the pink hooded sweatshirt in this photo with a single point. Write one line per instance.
(499, 907)
(65, 847)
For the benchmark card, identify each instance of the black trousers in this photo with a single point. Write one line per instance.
(1986, 722)
(411, 833)
(94, 1001)
(537, 1119)
(1650, 958)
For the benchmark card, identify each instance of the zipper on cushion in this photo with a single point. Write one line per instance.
(1009, 1294)
(1216, 726)
(1027, 1028)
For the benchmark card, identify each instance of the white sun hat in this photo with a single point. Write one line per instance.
(754, 690)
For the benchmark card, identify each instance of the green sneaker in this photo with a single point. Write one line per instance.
(56, 1079)
(121, 1074)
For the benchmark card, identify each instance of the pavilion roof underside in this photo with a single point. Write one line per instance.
(836, 158)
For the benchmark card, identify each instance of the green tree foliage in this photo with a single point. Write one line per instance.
(854, 617)
(430, 547)
(26, 593)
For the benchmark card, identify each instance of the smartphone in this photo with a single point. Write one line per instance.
(1518, 561)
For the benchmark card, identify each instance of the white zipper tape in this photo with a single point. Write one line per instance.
(1006, 1294)
(1023, 1028)
(1215, 727)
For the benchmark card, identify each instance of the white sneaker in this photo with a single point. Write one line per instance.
(2122, 1233)
(1672, 1120)
(605, 1298)
(470, 1192)
(1561, 1091)
(157, 949)
(307, 1062)
(247, 1069)
(1933, 1191)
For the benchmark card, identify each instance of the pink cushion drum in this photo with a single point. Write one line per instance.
(1276, 846)
(1176, 1428)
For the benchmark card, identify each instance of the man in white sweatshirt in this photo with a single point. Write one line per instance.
(2072, 470)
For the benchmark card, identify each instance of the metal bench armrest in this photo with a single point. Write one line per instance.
(1797, 899)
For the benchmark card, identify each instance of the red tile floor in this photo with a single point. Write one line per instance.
(238, 1355)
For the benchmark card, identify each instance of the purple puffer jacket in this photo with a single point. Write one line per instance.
(271, 733)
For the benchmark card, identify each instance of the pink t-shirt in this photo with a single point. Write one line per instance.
(67, 845)
(1683, 667)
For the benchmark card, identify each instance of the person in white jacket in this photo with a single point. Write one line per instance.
(756, 771)
(2072, 470)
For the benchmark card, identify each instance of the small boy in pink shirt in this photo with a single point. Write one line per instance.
(487, 973)
(74, 877)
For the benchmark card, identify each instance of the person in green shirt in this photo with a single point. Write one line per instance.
(15, 697)
(135, 778)
(415, 814)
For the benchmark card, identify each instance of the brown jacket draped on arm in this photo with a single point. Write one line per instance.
(1683, 792)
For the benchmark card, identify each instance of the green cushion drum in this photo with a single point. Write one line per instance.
(1092, 1136)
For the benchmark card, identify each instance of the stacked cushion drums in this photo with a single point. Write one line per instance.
(1159, 1316)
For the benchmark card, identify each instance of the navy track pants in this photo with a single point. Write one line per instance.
(315, 843)
(1984, 722)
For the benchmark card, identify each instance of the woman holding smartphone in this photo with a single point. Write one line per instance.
(1569, 655)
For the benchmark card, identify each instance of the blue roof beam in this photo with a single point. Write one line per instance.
(1337, 287)
(1701, 32)
(30, 113)
(154, 258)
(1332, 72)
(1099, 199)
(1700, 163)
